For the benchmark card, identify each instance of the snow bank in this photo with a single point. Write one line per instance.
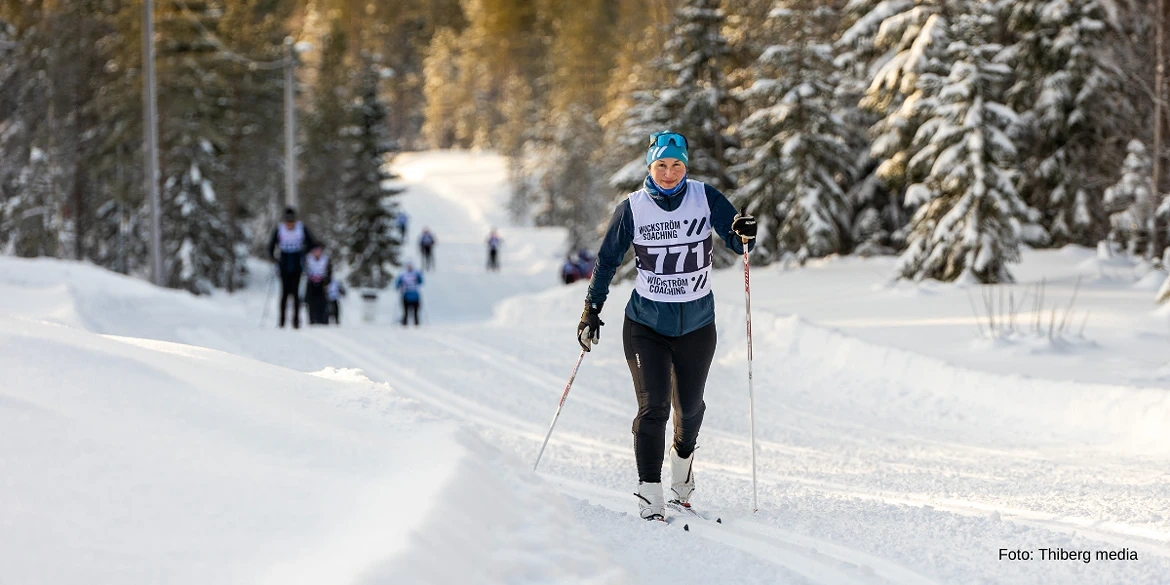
(904, 383)
(1137, 417)
(95, 299)
(139, 461)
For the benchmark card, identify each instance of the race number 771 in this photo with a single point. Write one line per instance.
(681, 254)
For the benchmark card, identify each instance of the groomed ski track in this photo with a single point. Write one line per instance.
(870, 471)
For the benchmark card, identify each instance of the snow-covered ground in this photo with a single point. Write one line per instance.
(149, 436)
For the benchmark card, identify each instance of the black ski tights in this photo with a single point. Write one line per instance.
(290, 289)
(667, 371)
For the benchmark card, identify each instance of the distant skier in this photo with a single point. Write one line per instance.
(292, 238)
(335, 291)
(569, 270)
(585, 263)
(493, 243)
(401, 221)
(669, 327)
(426, 243)
(408, 284)
(319, 271)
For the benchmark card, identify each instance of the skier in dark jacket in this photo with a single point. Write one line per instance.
(669, 326)
(493, 243)
(426, 245)
(292, 238)
(570, 272)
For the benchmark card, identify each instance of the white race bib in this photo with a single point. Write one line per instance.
(291, 240)
(315, 268)
(672, 249)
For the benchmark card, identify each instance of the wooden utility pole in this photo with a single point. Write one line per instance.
(151, 143)
(1152, 225)
(290, 123)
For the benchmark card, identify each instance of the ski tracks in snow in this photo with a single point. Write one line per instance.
(816, 560)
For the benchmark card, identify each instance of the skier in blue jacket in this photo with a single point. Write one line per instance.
(669, 325)
(408, 283)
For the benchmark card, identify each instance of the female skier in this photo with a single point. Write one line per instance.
(669, 328)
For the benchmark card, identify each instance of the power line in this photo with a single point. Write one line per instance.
(224, 49)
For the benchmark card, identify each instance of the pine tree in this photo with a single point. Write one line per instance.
(878, 216)
(199, 242)
(631, 114)
(371, 248)
(12, 143)
(32, 161)
(442, 89)
(646, 115)
(251, 124)
(694, 102)
(32, 223)
(564, 194)
(795, 151)
(1126, 200)
(120, 235)
(404, 33)
(571, 90)
(908, 58)
(697, 99)
(328, 128)
(969, 217)
(1068, 90)
(500, 39)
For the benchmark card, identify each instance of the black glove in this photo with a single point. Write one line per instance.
(744, 225)
(589, 329)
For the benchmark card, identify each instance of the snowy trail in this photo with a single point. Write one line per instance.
(816, 560)
(877, 466)
(837, 443)
(483, 411)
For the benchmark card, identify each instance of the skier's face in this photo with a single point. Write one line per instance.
(667, 172)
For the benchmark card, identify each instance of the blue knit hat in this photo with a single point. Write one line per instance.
(667, 145)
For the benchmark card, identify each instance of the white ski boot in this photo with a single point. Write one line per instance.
(682, 478)
(651, 505)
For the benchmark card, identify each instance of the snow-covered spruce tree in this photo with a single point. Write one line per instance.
(328, 124)
(1126, 200)
(252, 124)
(908, 58)
(30, 217)
(794, 148)
(519, 137)
(1067, 90)
(31, 162)
(560, 184)
(442, 90)
(120, 235)
(198, 242)
(695, 100)
(371, 245)
(969, 216)
(646, 115)
(878, 216)
(630, 115)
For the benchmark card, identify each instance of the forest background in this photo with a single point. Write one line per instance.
(948, 132)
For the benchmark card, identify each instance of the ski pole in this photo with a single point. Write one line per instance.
(747, 291)
(267, 299)
(565, 395)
